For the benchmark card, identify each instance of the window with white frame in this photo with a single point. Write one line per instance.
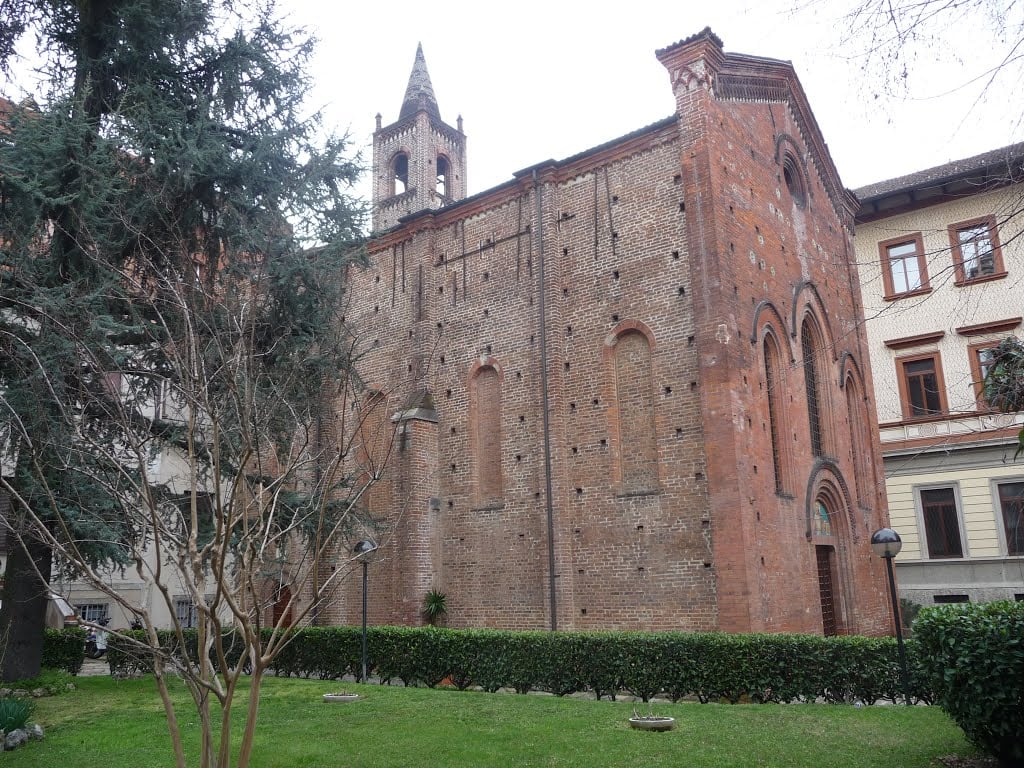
(93, 612)
(941, 529)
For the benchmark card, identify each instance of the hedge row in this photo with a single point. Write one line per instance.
(975, 664)
(64, 649)
(707, 666)
(126, 659)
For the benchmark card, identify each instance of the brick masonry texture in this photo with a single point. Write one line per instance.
(667, 255)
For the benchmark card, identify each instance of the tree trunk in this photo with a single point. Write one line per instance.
(25, 597)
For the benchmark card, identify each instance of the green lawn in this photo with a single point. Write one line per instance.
(108, 723)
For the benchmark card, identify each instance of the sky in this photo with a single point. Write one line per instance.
(538, 80)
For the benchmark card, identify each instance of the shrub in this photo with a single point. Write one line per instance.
(14, 714)
(64, 649)
(908, 612)
(126, 658)
(709, 666)
(53, 681)
(973, 657)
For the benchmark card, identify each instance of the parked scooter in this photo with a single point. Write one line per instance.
(96, 640)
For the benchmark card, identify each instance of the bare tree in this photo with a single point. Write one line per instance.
(173, 137)
(245, 472)
(897, 42)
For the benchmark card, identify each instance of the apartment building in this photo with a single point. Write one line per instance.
(941, 259)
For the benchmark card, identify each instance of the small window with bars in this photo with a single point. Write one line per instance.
(941, 523)
(93, 612)
(810, 349)
(185, 612)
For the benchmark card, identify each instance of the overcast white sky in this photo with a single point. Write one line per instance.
(536, 80)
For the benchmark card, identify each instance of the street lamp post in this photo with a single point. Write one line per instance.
(362, 551)
(886, 543)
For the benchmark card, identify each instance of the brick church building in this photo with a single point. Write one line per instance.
(628, 389)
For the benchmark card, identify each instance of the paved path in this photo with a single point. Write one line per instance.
(94, 668)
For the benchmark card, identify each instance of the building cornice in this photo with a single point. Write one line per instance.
(994, 326)
(548, 171)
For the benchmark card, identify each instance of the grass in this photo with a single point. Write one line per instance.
(107, 722)
(54, 681)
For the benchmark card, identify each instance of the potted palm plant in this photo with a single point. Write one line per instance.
(435, 607)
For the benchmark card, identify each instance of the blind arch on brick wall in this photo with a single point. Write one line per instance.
(767, 315)
(815, 363)
(629, 362)
(485, 432)
(862, 457)
(779, 429)
(376, 439)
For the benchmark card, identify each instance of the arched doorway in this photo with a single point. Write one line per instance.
(824, 538)
(830, 531)
(283, 606)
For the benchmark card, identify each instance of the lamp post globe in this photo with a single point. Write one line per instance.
(886, 543)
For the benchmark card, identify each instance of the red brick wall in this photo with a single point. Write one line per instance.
(665, 255)
(485, 426)
(755, 244)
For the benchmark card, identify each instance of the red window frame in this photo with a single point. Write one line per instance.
(885, 249)
(994, 256)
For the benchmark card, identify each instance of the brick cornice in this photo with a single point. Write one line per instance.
(548, 171)
(754, 78)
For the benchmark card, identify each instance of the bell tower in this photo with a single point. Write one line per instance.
(419, 161)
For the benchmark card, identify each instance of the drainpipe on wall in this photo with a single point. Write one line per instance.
(544, 404)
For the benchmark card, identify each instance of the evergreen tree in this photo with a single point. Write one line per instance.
(157, 213)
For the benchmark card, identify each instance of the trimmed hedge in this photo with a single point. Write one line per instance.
(126, 658)
(64, 649)
(974, 661)
(705, 666)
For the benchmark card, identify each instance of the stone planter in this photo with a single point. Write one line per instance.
(341, 698)
(652, 723)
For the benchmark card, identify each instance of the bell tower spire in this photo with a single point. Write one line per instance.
(419, 94)
(419, 161)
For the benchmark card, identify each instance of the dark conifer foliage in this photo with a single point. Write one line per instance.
(174, 226)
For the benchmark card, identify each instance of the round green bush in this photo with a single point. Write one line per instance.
(973, 656)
